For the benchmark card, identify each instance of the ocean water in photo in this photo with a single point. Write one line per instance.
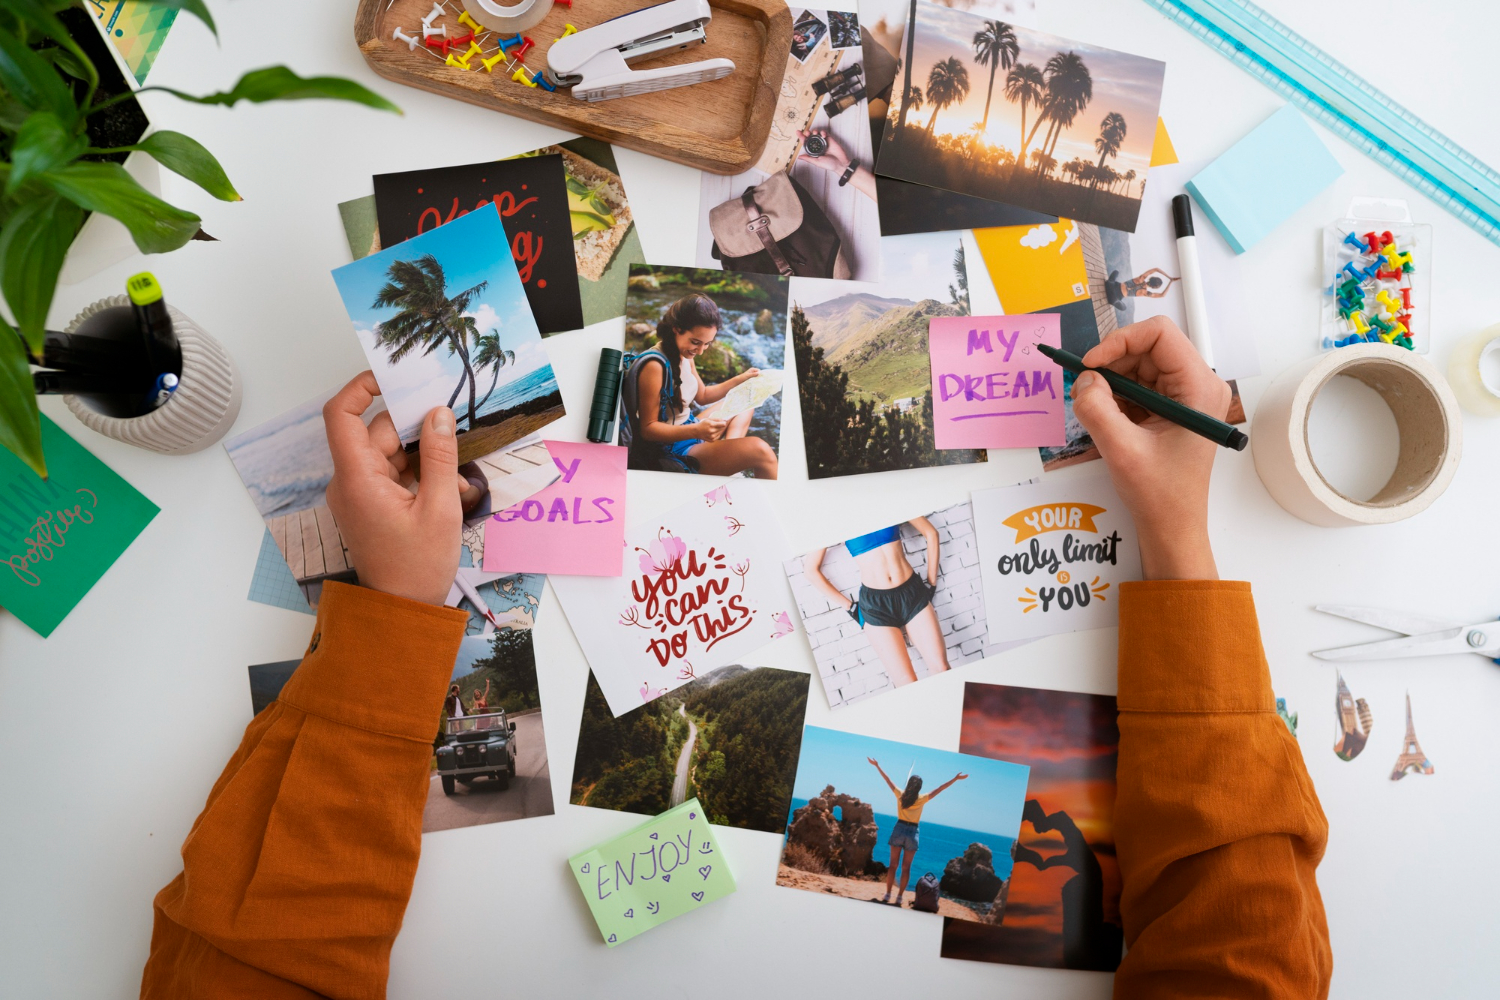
(285, 462)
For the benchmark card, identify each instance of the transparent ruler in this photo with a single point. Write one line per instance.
(1332, 95)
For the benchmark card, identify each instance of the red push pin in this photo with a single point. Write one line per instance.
(1386, 239)
(1385, 275)
(526, 44)
(438, 42)
(462, 39)
(1406, 298)
(564, 3)
(1372, 243)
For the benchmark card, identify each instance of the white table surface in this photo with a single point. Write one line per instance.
(112, 730)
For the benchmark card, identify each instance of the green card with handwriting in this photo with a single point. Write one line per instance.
(662, 869)
(58, 535)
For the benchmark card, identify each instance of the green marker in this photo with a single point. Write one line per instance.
(163, 354)
(1165, 407)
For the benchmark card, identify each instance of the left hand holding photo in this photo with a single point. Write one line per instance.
(400, 543)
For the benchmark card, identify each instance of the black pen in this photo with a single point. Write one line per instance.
(1165, 407)
(87, 384)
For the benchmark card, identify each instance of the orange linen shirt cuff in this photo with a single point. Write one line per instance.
(369, 641)
(1191, 646)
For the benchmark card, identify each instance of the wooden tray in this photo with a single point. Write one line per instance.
(720, 126)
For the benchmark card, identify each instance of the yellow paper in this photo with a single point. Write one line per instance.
(1162, 152)
(1034, 267)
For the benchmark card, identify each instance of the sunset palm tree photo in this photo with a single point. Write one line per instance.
(995, 46)
(1055, 162)
(428, 318)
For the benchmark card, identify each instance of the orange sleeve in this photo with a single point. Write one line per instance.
(297, 872)
(1217, 825)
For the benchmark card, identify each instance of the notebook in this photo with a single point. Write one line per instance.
(1264, 178)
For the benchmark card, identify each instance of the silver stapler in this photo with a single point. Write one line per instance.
(593, 61)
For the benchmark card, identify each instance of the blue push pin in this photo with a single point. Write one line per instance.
(543, 82)
(1355, 242)
(506, 44)
(1354, 272)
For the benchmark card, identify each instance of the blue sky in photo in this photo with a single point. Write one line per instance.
(988, 801)
(472, 248)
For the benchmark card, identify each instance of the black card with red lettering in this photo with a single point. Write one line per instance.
(532, 196)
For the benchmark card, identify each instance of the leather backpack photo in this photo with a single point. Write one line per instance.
(777, 228)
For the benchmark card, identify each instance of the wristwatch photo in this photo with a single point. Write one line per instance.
(848, 172)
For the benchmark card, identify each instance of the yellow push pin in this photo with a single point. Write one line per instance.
(521, 76)
(474, 50)
(453, 60)
(489, 64)
(465, 19)
(568, 29)
(1360, 323)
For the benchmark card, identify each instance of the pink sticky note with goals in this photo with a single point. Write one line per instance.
(575, 527)
(991, 387)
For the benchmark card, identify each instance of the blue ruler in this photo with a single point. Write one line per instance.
(1347, 105)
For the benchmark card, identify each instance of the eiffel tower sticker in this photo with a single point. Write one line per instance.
(1412, 759)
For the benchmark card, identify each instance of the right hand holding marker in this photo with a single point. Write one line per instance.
(401, 543)
(1160, 470)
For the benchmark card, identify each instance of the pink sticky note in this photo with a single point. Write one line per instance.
(574, 527)
(991, 387)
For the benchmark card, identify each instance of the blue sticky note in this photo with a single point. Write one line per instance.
(1264, 178)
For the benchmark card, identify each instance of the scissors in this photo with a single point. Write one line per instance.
(1420, 635)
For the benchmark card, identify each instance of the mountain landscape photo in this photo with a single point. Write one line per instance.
(880, 342)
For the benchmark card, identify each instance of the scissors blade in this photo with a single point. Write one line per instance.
(1396, 621)
(1449, 640)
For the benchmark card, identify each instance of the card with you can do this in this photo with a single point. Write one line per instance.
(667, 866)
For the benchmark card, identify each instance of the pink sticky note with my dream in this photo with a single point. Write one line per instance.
(574, 527)
(991, 387)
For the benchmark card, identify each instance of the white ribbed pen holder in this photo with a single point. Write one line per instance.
(196, 415)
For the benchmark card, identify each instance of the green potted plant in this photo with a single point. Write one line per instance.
(60, 159)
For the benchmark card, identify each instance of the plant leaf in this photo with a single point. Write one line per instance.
(186, 156)
(41, 144)
(40, 16)
(197, 8)
(32, 80)
(33, 243)
(277, 83)
(20, 421)
(155, 225)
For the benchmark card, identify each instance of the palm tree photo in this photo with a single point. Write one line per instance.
(429, 318)
(1025, 85)
(995, 46)
(947, 83)
(489, 354)
(1111, 135)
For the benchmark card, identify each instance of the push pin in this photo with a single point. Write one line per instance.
(544, 83)
(564, 3)
(1399, 260)
(506, 44)
(1372, 243)
(1388, 275)
(436, 12)
(439, 43)
(428, 31)
(489, 64)
(1406, 298)
(526, 46)
(1360, 323)
(1353, 271)
(469, 22)
(453, 60)
(1351, 239)
(1390, 302)
(522, 76)
(462, 39)
(1398, 329)
(412, 41)
(568, 29)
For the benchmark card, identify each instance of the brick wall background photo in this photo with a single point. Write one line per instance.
(847, 664)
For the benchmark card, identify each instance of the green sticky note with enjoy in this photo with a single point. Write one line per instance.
(58, 535)
(662, 869)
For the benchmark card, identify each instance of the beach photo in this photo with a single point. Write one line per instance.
(729, 738)
(286, 466)
(863, 371)
(703, 391)
(984, 107)
(893, 606)
(1063, 909)
(903, 825)
(444, 321)
(813, 180)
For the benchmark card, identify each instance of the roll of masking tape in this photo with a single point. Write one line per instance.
(1426, 414)
(508, 19)
(1474, 370)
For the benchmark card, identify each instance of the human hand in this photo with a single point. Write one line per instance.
(835, 160)
(872, 760)
(400, 543)
(1160, 470)
(960, 776)
(711, 430)
(746, 375)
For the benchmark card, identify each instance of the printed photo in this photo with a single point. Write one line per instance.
(706, 354)
(865, 827)
(807, 32)
(893, 606)
(489, 754)
(444, 321)
(997, 111)
(605, 241)
(818, 227)
(729, 738)
(1063, 908)
(532, 197)
(286, 465)
(843, 28)
(863, 370)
